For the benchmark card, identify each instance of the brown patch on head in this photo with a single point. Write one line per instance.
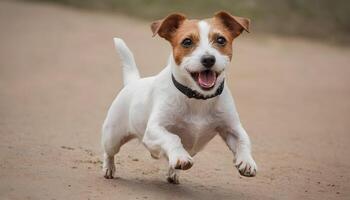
(189, 29)
(219, 30)
(175, 28)
(226, 26)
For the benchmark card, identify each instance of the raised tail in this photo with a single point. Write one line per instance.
(130, 71)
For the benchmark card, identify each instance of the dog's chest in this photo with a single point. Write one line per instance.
(195, 130)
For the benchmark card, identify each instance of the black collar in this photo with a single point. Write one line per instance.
(193, 93)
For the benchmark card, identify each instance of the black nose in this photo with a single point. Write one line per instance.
(208, 61)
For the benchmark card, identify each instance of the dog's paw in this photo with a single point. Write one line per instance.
(173, 180)
(246, 165)
(173, 176)
(181, 160)
(109, 173)
(108, 168)
(184, 163)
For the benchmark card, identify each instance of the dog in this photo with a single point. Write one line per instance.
(178, 111)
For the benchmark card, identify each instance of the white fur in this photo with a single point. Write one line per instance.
(169, 123)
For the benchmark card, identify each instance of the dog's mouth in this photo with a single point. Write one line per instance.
(205, 79)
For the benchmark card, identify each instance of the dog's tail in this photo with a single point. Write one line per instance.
(130, 71)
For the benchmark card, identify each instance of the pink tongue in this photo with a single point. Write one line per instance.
(206, 79)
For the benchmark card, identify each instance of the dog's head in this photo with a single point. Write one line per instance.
(202, 49)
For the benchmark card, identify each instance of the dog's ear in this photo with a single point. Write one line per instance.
(167, 27)
(236, 25)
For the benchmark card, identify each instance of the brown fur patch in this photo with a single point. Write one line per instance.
(188, 29)
(219, 29)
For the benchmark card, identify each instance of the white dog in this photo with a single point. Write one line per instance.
(177, 112)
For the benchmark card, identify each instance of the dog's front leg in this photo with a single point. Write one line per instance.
(159, 140)
(238, 141)
(173, 176)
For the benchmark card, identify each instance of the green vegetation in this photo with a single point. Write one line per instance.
(324, 19)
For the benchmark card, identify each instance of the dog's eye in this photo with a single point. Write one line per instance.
(221, 40)
(187, 43)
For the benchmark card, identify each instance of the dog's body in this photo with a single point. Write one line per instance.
(159, 113)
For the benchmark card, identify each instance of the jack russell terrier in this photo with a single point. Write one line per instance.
(178, 111)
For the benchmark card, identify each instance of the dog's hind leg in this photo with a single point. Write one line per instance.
(108, 166)
(112, 140)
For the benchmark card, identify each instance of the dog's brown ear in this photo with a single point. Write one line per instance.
(167, 27)
(236, 25)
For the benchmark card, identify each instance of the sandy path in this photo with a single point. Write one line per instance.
(59, 74)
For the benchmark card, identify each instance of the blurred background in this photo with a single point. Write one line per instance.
(323, 19)
(59, 73)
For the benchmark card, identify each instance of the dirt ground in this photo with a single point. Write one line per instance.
(59, 73)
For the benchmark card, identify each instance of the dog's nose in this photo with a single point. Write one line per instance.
(208, 61)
